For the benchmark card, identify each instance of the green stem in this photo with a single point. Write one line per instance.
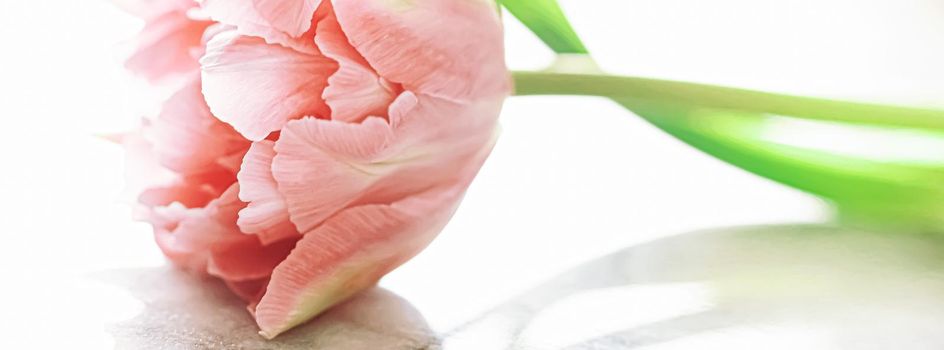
(726, 123)
(546, 20)
(681, 93)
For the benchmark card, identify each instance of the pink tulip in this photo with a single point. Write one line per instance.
(336, 141)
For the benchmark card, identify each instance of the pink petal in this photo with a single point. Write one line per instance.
(258, 87)
(165, 46)
(187, 138)
(324, 166)
(191, 191)
(183, 257)
(190, 195)
(446, 48)
(282, 22)
(266, 214)
(320, 165)
(250, 291)
(350, 252)
(355, 91)
(231, 162)
(441, 129)
(142, 169)
(246, 258)
(188, 240)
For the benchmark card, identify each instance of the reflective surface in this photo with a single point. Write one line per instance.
(775, 287)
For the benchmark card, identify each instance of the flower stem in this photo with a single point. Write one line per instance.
(546, 19)
(708, 96)
(728, 124)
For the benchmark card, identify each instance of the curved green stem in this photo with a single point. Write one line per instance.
(728, 124)
(691, 94)
(546, 20)
(864, 190)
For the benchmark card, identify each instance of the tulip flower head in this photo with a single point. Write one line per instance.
(320, 144)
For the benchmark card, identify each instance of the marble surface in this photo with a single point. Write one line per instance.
(182, 311)
(771, 287)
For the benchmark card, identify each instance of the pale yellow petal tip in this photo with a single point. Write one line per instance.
(267, 335)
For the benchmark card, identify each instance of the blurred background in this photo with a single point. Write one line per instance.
(570, 180)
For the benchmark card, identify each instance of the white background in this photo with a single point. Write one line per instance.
(571, 178)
